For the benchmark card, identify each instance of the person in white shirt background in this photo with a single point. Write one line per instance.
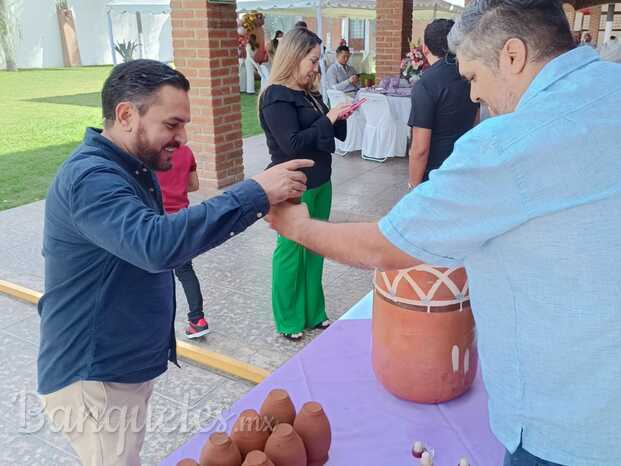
(340, 75)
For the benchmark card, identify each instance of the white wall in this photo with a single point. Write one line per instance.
(40, 46)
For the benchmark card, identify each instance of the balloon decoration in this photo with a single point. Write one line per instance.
(252, 20)
(252, 23)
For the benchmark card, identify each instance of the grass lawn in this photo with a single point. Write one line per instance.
(43, 114)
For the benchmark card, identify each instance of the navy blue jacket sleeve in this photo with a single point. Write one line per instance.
(107, 210)
(340, 130)
(282, 119)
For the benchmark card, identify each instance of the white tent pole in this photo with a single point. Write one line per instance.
(345, 29)
(367, 35)
(609, 21)
(319, 20)
(140, 34)
(111, 38)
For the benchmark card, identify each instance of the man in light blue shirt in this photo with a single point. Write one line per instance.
(530, 203)
(340, 75)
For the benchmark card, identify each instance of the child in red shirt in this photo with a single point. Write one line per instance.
(175, 184)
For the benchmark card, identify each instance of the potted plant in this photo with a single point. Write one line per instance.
(126, 49)
(68, 36)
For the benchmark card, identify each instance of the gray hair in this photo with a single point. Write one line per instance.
(486, 25)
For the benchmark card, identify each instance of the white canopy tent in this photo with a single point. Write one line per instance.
(354, 9)
(136, 7)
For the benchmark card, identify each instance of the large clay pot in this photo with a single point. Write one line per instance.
(285, 447)
(250, 432)
(187, 462)
(424, 344)
(278, 408)
(313, 426)
(219, 450)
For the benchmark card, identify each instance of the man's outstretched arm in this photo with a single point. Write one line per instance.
(357, 244)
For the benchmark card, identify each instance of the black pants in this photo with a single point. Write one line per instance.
(522, 458)
(192, 288)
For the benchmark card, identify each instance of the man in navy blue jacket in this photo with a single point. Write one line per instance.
(107, 315)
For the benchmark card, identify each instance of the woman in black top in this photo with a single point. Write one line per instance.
(298, 124)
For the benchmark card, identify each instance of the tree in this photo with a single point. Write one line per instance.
(9, 32)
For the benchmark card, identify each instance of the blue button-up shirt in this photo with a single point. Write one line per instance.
(530, 203)
(108, 309)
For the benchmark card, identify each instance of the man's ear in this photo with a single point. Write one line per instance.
(426, 51)
(514, 56)
(126, 113)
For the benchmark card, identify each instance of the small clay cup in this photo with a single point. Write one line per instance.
(187, 462)
(219, 450)
(285, 447)
(250, 432)
(257, 458)
(313, 427)
(278, 408)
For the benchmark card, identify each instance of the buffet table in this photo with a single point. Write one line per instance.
(370, 427)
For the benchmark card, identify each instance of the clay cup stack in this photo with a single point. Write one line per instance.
(274, 436)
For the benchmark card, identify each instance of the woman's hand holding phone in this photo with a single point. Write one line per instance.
(346, 113)
(336, 111)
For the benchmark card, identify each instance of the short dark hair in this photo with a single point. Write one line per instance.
(301, 24)
(137, 81)
(436, 34)
(342, 48)
(485, 26)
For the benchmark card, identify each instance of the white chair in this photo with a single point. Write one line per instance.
(355, 125)
(323, 82)
(364, 63)
(251, 65)
(242, 75)
(264, 71)
(384, 136)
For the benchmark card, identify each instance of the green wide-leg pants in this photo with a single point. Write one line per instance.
(297, 292)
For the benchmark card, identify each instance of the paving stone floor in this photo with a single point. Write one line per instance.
(235, 280)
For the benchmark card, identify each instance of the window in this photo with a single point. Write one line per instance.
(356, 29)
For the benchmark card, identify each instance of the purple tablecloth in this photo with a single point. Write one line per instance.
(370, 427)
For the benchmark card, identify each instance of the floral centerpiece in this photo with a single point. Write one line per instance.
(413, 65)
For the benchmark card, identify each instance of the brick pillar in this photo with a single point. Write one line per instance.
(205, 50)
(596, 14)
(570, 12)
(394, 31)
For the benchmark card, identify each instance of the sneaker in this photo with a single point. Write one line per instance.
(293, 336)
(197, 329)
(323, 325)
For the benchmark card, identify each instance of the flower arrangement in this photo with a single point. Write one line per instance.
(250, 21)
(413, 64)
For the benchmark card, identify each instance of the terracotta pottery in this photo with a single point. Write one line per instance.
(250, 432)
(220, 450)
(187, 462)
(278, 408)
(285, 447)
(313, 427)
(257, 458)
(423, 344)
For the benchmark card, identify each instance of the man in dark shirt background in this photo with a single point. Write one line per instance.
(441, 107)
(108, 311)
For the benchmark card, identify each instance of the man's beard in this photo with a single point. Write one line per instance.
(507, 105)
(150, 156)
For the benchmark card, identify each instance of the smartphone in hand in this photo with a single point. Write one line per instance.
(353, 107)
